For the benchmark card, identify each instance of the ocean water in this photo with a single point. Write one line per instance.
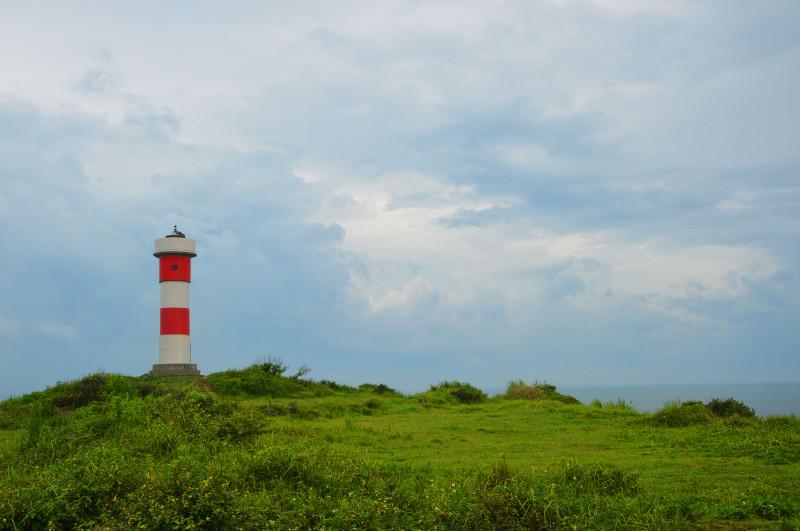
(766, 398)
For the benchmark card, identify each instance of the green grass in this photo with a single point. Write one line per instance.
(257, 449)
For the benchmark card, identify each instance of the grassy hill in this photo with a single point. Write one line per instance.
(255, 448)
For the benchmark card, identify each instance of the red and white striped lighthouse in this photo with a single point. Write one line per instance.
(174, 252)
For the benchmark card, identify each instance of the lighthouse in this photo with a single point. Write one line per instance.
(174, 252)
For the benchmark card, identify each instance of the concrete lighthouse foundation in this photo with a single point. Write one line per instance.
(174, 252)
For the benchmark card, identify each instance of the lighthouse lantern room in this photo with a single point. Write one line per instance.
(174, 252)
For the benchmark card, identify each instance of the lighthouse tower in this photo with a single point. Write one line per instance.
(174, 252)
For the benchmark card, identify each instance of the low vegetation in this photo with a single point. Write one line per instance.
(695, 412)
(537, 391)
(267, 378)
(454, 392)
(257, 449)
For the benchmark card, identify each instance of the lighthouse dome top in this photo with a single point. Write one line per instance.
(175, 243)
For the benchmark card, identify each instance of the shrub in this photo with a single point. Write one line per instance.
(468, 394)
(728, 407)
(272, 366)
(519, 390)
(675, 414)
(145, 388)
(381, 389)
(79, 393)
(264, 379)
(453, 392)
(446, 385)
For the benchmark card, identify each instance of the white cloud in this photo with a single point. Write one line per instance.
(417, 295)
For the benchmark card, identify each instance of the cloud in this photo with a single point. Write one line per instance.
(595, 192)
(416, 297)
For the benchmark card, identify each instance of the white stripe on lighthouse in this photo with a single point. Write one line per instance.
(174, 294)
(174, 348)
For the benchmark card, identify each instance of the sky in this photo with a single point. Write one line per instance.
(599, 192)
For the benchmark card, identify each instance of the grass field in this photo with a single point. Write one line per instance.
(257, 449)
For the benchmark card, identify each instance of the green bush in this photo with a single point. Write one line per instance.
(519, 390)
(468, 395)
(380, 389)
(271, 366)
(454, 392)
(675, 414)
(728, 407)
(264, 379)
(80, 392)
(691, 412)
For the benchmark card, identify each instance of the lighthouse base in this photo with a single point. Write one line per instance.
(174, 369)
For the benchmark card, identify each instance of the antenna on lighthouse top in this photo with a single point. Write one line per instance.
(175, 233)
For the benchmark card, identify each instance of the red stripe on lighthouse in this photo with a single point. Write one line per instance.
(174, 321)
(175, 267)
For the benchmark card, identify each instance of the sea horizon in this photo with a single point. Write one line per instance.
(766, 398)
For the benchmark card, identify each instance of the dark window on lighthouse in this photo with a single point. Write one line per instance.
(174, 267)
